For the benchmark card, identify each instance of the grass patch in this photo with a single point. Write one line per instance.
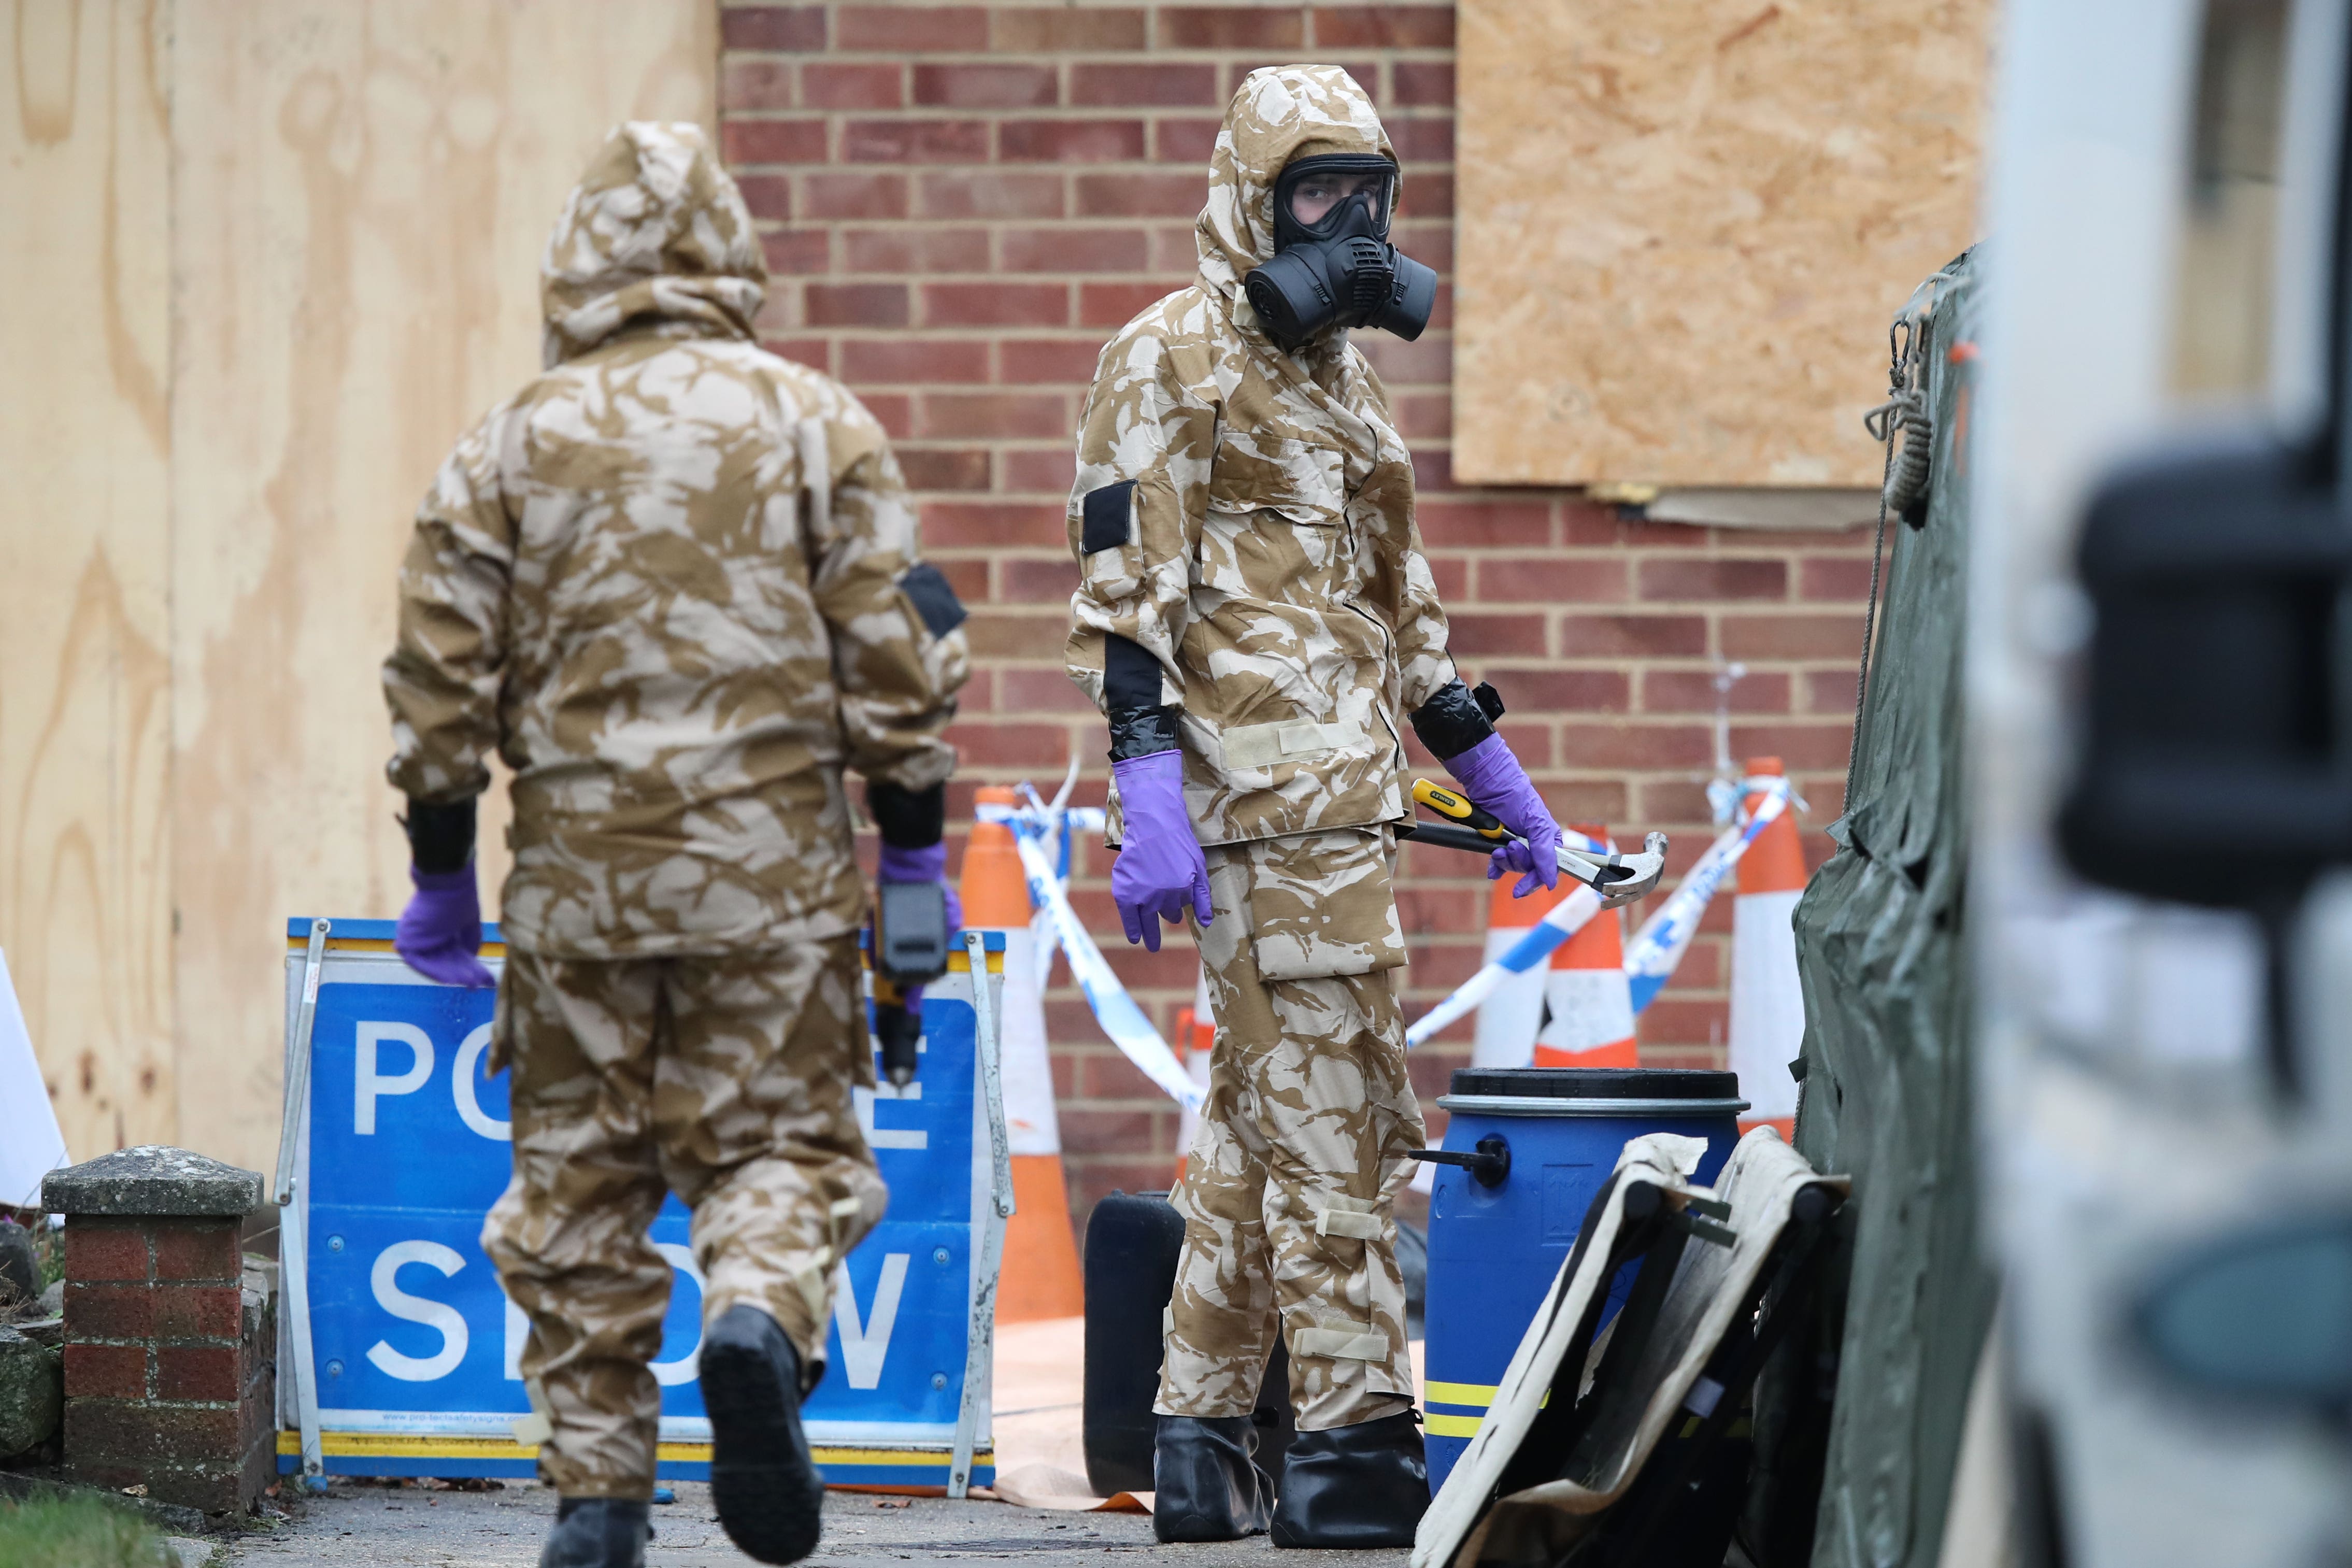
(61, 1532)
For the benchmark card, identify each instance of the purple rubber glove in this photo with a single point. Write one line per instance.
(926, 865)
(1493, 779)
(441, 929)
(1160, 868)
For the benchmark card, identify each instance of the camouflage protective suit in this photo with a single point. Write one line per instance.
(674, 581)
(1244, 517)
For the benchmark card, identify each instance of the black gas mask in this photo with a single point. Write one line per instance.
(1332, 259)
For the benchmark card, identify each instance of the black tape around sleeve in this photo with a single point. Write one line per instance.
(440, 836)
(1141, 732)
(1140, 724)
(908, 819)
(927, 588)
(1108, 517)
(1452, 721)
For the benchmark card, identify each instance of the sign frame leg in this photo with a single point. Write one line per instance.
(981, 1343)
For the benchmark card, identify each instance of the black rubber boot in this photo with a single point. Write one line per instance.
(768, 1493)
(1206, 1485)
(598, 1532)
(1366, 1485)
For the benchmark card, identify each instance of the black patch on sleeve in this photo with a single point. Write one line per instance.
(926, 589)
(1109, 517)
(1489, 701)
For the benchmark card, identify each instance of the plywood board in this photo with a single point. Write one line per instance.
(1684, 229)
(361, 191)
(85, 732)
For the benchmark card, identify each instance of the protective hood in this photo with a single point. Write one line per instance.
(1281, 112)
(655, 232)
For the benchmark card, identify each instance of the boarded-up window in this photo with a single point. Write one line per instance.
(1684, 229)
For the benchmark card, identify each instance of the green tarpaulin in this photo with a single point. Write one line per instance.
(1886, 1063)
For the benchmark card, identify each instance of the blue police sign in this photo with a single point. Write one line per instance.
(413, 1351)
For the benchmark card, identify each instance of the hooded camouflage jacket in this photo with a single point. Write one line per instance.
(1245, 517)
(674, 583)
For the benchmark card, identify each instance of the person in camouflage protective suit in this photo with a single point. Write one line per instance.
(674, 583)
(1256, 620)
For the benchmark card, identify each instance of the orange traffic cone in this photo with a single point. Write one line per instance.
(1041, 1276)
(1512, 1014)
(1767, 1009)
(1591, 1022)
(1196, 1035)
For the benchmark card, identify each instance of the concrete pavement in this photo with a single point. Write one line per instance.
(359, 1526)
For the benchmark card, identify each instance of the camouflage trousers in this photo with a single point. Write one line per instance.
(725, 1080)
(1290, 1184)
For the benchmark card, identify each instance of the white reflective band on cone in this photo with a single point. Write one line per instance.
(1590, 1008)
(1513, 1011)
(1768, 1007)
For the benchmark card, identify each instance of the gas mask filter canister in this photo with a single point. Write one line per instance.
(1332, 261)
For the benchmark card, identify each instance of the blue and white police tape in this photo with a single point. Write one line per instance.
(1057, 821)
(1652, 956)
(1559, 922)
(1113, 1008)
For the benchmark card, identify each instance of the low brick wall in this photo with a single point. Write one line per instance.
(169, 1347)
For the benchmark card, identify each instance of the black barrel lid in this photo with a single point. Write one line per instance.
(1599, 1083)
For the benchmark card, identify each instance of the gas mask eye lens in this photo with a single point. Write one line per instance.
(1315, 198)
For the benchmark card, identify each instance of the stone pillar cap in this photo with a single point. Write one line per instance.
(151, 1180)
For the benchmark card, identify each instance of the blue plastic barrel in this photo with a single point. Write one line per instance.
(1495, 1250)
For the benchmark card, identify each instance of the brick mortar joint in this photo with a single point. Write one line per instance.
(176, 1342)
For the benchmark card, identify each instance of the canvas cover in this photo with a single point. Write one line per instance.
(1887, 1057)
(1536, 1525)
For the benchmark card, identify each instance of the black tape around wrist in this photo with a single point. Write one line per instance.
(1454, 720)
(1141, 732)
(908, 819)
(440, 834)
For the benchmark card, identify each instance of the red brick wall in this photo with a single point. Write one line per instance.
(169, 1362)
(961, 202)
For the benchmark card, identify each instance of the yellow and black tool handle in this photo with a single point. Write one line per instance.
(1456, 806)
(1618, 878)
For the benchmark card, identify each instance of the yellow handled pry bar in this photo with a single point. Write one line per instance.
(1618, 878)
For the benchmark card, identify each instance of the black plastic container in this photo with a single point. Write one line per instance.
(1132, 1242)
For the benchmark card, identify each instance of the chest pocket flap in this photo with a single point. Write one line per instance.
(1256, 471)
